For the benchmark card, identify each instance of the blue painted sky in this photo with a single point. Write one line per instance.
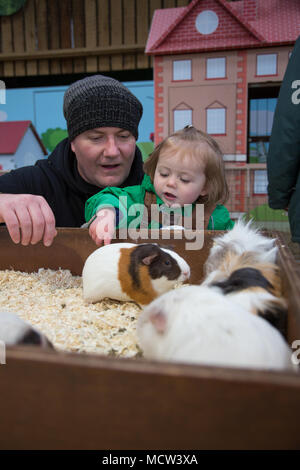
(43, 106)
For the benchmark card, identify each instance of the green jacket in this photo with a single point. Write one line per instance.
(111, 196)
(283, 161)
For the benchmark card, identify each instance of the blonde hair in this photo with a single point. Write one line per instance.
(195, 143)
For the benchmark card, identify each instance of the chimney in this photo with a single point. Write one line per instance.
(250, 10)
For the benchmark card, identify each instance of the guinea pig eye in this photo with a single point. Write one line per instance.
(167, 263)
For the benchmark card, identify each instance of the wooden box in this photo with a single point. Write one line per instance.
(52, 400)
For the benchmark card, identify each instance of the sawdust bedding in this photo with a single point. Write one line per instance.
(52, 301)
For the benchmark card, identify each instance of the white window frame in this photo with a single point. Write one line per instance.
(182, 70)
(211, 117)
(215, 67)
(266, 64)
(180, 119)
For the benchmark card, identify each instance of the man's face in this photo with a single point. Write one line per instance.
(104, 155)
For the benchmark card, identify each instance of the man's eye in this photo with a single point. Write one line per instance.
(124, 136)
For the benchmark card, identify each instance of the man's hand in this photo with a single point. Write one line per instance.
(28, 218)
(103, 227)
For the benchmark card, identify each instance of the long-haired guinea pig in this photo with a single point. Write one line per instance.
(255, 286)
(127, 271)
(196, 324)
(14, 331)
(244, 237)
(242, 264)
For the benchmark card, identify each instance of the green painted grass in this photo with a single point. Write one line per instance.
(266, 214)
(146, 148)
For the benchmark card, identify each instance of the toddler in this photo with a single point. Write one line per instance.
(186, 168)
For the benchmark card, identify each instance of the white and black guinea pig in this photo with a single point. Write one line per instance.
(14, 331)
(198, 324)
(127, 271)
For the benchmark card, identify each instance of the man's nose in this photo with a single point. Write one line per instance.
(111, 148)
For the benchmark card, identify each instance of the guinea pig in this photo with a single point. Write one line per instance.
(127, 271)
(15, 331)
(197, 324)
(244, 237)
(257, 288)
(250, 278)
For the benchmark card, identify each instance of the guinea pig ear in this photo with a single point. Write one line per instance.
(159, 321)
(149, 259)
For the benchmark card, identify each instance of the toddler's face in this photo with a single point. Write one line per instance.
(179, 180)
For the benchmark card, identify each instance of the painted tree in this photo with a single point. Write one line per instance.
(9, 7)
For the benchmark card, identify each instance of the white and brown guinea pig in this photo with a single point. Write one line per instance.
(200, 325)
(15, 331)
(127, 271)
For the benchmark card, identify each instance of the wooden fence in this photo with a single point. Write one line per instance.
(49, 37)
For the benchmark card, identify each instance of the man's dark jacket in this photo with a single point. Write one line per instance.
(57, 179)
(283, 161)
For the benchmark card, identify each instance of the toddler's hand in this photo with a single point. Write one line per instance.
(103, 227)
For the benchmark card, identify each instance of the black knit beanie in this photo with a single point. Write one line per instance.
(100, 101)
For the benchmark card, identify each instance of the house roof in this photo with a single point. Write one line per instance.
(173, 29)
(11, 134)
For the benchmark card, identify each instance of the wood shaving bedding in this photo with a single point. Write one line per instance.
(53, 302)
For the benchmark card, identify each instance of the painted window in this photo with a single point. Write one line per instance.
(216, 121)
(261, 116)
(266, 64)
(207, 22)
(182, 118)
(262, 104)
(216, 68)
(260, 182)
(182, 70)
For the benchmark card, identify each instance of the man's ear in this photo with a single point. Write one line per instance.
(72, 147)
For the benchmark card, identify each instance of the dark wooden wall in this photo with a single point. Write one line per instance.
(51, 37)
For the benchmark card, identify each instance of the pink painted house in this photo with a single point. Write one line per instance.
(218, 65)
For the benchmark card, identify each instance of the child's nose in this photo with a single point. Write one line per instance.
(171, 181)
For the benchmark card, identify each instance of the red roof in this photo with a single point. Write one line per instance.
(173, 30)
(11, 134)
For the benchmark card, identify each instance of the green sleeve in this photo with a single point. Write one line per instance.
(221, 219)
(119, 198)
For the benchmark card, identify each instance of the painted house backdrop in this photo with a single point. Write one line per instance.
(43, 106)
(218, 65)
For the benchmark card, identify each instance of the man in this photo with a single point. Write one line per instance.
(283, 162)
(102, 118)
